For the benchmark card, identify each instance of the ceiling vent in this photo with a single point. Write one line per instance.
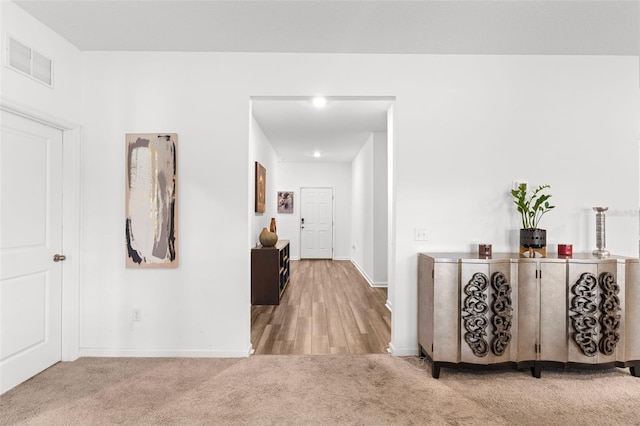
(27, 61)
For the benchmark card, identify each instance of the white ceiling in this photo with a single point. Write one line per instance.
(296, 128)
(605, 27)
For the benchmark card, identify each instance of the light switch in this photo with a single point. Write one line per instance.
(421, 234)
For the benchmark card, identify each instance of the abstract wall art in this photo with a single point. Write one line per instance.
(151, 209)
(285, 202)
(261, 187)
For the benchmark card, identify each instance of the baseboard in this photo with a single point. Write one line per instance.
(366, 277)
(389, 306)
(168, 353)
(402, 351)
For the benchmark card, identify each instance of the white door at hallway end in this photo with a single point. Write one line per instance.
(30, 237)
(316, 223)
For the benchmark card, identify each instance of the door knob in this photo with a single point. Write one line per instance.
(59, 257)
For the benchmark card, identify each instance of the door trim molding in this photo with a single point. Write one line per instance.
(33, 114)
(71, 222)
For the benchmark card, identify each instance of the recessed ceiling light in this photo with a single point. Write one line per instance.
(317, 154)
(319, 101)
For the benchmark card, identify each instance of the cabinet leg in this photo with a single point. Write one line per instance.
(634, 371)
(435, 370)
(536, 370)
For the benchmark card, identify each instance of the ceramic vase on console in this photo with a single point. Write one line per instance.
(272, 225)
(268, 238)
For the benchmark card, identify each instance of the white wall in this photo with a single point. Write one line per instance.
(260, 150)
(465, 127)
(60, 103)
(369, 225)
(362, 194)
(379, 209)
(202, 307)
(292, 177)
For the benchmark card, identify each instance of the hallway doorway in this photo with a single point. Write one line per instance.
(348, 146)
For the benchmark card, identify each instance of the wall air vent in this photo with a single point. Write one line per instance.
(27, 61)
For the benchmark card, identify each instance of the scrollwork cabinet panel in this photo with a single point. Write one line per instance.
(594, 311)
(611, 285)
(582, 312)
(475, 309)
(553, 311)
(503, 297)
(487, 312)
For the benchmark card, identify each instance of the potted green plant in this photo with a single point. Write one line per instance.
(532, 206)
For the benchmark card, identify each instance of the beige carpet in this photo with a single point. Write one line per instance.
(314, 390)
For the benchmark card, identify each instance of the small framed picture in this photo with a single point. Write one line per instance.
(285, 202)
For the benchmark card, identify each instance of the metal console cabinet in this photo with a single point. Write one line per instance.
(512, 312)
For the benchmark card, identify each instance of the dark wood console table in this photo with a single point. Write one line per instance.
(270, 273)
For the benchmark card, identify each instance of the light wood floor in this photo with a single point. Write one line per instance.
(327, 308)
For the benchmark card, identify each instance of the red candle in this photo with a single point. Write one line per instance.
(565, 249)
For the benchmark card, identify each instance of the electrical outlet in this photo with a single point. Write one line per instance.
(137, 315)
(421, 234)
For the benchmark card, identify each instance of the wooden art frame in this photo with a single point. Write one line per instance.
(260, 188)
(151, 211)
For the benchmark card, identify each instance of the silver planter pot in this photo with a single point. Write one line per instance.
(533, 238)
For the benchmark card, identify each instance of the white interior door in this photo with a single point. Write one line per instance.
(30, 236)
(316, 223)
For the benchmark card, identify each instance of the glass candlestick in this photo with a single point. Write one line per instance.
(600, 232)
